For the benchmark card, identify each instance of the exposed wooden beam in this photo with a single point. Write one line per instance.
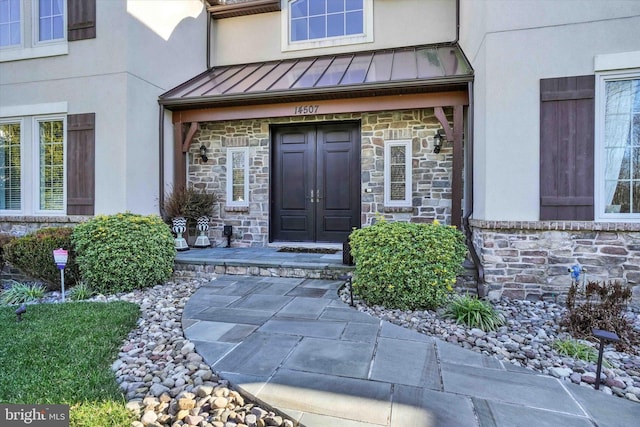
(457, 192)
(326, 106)
(179, 158)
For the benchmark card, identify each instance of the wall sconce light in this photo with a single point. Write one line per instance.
(437, 140)
(203, 153)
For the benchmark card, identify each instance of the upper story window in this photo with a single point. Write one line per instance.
(10, 23)
(40, 28)
(51, 20)
(322, 23)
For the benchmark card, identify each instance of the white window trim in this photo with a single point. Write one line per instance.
(28, 116)
(21, 122)
(599, 160)
(230, 201)
(35, 186)
(32, 48)
(407, 202)
(288, 46)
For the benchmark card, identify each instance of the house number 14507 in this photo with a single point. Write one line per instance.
(305, 109)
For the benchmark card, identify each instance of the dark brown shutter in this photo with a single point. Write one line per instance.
(567, 111)
(81, 164)
(81, 19)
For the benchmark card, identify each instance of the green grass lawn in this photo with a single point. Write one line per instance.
(62, 353)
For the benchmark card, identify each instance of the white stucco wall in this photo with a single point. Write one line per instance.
(396, 23)
(513, 44)
(142, 49)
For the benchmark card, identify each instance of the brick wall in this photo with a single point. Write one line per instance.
(431, 172)
(531, 259)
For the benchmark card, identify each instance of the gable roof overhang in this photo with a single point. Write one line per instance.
(379, 73)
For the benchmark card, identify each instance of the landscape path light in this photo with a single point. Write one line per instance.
(61, 256)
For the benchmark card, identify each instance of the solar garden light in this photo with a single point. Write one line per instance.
(61, 256)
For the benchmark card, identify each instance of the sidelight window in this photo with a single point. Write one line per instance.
(397, 173)
(238, 176)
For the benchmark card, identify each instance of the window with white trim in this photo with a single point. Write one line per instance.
(32, 29)
(238, 177)
(618, 145)
(311, 24)
(50, 19)
(10, 23)
(32, 165)
(397, 173)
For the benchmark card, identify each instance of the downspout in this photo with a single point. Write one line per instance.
(208, 55)
(161, 160)
(468, 182)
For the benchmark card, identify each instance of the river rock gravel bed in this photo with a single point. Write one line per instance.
(525, 340)
(166, 383)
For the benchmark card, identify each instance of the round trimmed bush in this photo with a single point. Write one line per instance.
(125, 251)
(33, 255)
(406, 265)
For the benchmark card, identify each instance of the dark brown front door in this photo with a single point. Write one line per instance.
(316, 182)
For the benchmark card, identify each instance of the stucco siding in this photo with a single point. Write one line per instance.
(522, 43)
(430, 21)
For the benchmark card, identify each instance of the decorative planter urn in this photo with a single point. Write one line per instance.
(202, 224)
(179, 226)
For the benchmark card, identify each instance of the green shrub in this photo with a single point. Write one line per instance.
(122, 252)
(601, 306)
(19, 293)
(33, 255)
(474, 313)
(4, 240)
(406, 265)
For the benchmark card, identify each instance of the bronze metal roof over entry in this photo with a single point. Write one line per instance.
(383, 72)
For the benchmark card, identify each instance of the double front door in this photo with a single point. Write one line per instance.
(315, 182)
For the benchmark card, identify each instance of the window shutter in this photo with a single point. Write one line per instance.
(81, 164)
(567, 111)
(81, 19)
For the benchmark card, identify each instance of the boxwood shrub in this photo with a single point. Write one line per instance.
(123, 252)
(406, 265)
(33, 255)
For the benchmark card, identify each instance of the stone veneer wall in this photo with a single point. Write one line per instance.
(22, 225)
(431, 172)
(531, 259)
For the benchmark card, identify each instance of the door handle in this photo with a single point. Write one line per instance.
(311, 197)
(318, 196)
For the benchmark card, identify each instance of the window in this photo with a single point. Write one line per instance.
(33, 165)
(51, 165)
(41, 28)
(618, 145)
(50, 20)
(10, 23)
(10, 166)
(321, 23)
(238, 176)
(397, 173)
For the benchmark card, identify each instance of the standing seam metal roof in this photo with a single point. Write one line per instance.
(405, 67)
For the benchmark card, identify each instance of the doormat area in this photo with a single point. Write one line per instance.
(309, 250)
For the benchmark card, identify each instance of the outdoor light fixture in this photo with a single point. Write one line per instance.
(60, 257)
(437, 140)
(20, 311)
(203, 153)
(227, 231)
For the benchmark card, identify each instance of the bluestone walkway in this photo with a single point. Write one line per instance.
(293, 345)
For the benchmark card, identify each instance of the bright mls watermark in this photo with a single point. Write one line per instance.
(34, 415)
